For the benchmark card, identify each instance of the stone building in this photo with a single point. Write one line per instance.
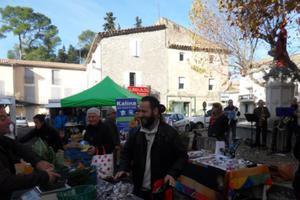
(177, 66)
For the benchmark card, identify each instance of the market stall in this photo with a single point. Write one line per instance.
(104, 93)
(211, 177)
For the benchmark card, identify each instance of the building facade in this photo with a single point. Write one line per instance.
(33, 83)
(166, 59)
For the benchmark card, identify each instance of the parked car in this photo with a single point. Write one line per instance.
(21, 121)
(197, 121)
(178, 121)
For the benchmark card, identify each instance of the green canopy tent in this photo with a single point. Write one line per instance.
(103, 94)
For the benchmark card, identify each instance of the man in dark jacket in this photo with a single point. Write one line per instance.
(154, 152)
(218, 125)
(232, 112)
(262, 114)
(110, 121)
(45, 132)
(97, 133)
(10, 153)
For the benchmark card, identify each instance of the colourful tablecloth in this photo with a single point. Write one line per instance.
(211, 183)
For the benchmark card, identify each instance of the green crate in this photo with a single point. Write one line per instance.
(82, 192)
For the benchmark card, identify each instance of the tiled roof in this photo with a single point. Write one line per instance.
(102, 35)
(42, 64)
(131, 30)
(195, 48)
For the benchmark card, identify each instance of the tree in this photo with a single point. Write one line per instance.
(61, 55)
(14, 53)
(85, 40)
(34, 30)
(138, 22)
(72, 56)
(109, 24)
(211, 25)
(39, 53)
(263, 20)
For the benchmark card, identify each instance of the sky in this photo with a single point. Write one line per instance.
(74, 16)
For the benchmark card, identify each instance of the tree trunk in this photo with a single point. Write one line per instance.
(20, 47)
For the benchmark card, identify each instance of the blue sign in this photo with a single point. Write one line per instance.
(125, 112)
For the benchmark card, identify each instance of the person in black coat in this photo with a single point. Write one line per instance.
(97, 133)
(154, 152)
(262, 114)
(232, 112)
(10, 153)
(45, 132)
(218, 126)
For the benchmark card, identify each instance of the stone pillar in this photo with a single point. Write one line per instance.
(278, 94)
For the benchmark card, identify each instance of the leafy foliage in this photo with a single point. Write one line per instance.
(34, 30)
(138, 22)
(109, 24)
(262, 20)
(210, 24)
(85, 40)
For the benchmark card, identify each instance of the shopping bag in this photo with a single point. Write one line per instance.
(104, 164)
(44, 151)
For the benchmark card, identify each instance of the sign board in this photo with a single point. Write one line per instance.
(125, 112)
(142, 91)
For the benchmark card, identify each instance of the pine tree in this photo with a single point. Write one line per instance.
(109, 24)
(138, 22)
(62, 56)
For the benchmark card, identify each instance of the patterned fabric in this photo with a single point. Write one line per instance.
(210, 183)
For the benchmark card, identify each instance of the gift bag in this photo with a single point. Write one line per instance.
(104, 164)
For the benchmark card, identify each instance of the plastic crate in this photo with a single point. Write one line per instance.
(82, 192)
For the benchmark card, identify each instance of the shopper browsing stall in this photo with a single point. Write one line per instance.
(10, 153)
(97, 133)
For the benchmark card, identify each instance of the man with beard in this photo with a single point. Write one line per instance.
(154, 152)
(97, 133)
(11, 152)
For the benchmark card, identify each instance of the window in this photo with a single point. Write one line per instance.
(132, 79)
(29, 76)
(246, 108)
(135, 47)
(55, 77)
(29, 93)
(181, 56)
(211, 83)
(211, 59)
(181, 81)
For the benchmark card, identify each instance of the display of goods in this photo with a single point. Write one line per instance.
(83, 192)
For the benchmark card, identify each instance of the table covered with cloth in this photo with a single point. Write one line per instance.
(204, 182)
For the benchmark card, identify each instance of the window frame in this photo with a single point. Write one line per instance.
(181, 85)
(134, 78)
